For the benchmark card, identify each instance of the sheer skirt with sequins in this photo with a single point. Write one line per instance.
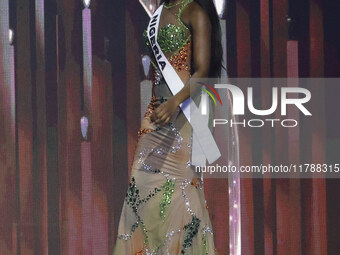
(163, 212)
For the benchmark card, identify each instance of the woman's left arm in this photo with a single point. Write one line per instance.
(201, 34)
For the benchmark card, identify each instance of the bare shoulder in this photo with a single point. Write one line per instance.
(194, 8)
(194, 13)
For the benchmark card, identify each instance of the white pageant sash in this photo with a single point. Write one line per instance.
(207, 146)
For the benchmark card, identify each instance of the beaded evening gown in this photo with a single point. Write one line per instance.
(163, 213)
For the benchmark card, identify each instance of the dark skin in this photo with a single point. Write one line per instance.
(195, 18)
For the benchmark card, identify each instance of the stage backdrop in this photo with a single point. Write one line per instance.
(64, 64)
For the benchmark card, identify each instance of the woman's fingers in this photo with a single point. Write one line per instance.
(157, 118)
(166, 120)
(164, 117)
(162, 114)
(153, 116)
(161, 110)
(161, 118)
(156, 115)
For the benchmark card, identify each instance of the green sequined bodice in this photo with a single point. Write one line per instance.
(172, 37)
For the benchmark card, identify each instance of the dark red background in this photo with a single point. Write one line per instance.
(41, 198)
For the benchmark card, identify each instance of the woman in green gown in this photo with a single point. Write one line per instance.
(165, 210)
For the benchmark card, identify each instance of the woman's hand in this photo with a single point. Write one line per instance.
(164, 111)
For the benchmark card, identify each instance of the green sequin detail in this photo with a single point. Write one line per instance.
(133, 199)
(168, 189)
(171, 37)
(191, 230)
